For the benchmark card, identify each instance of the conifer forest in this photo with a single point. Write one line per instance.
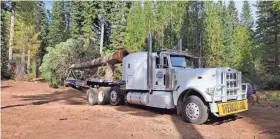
(38, 42)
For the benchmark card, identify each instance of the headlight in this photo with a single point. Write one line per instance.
(210, 91)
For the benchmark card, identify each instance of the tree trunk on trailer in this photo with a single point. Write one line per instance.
(111, 59)
(109, 71)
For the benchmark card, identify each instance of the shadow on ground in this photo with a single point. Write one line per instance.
(266, 119)
(5, 86)
(186, 130)
(67, 96)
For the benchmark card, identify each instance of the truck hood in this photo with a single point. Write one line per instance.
(199, 79)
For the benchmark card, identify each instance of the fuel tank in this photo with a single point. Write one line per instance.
(140, 98)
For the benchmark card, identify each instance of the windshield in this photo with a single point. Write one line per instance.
(181, 61)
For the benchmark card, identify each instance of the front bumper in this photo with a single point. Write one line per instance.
(220, 96)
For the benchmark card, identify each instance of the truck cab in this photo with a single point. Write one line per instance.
(168, 79)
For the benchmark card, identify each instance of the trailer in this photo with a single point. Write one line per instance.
(168, 80)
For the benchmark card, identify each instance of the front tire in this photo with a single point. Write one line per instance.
(92, 95)
(194, 110)
(115, 96)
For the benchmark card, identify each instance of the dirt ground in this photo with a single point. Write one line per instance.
(34, 110)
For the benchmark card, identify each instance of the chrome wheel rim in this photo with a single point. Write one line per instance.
(113, 96)
(90, 97)
(192, 111)
(100, 96)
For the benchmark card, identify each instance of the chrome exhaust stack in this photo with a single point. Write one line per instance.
(180, 45)
(149, 63)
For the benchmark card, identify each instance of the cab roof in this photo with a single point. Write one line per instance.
(175, 52)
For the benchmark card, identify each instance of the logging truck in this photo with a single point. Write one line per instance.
(168, 80)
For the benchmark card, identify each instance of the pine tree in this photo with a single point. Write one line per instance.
(118, 22)
(214, 52)
(246, 15)
(42, 28)
(276, 5)
(162, 19)
(24, 37)
(76, 12)
(267, 36)
(242, 51)
(229, 20)
(4, 46)
(12, 24)
(90, 27)
(233, 12)
(139, 23)
(193, 24)
(58, 27)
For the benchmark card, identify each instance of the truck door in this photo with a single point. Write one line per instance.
(160, 74)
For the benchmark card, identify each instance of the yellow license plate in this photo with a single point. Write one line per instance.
(228, 108)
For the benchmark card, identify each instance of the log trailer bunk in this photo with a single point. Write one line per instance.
(166, 79)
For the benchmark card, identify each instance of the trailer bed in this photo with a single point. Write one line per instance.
(92, 82)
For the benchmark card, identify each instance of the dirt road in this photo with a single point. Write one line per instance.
(33, 110)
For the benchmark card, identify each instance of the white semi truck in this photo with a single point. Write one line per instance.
(167, 80)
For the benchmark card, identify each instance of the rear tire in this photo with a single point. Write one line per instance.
(92, 94)
(194, 110)
(103, 95)
(115, 96)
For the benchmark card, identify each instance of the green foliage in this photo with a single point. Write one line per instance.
(267, 80)
(58, 59)
(43, 28)
(4, 44)
(233, 12)
(273, 96)
(164, 19)
(25, 11)
(193, 24)
(267, 42)
(58, 29)
(267, 33)
(91, 9)
(26, 39)
(246, 15)
(229, 19)
(76, 10)
(276, 5)
(209, 29)
(242, 59)
(140, 22)
(118, 19)
(213, 35)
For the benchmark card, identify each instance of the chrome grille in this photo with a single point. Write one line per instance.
(231, 82)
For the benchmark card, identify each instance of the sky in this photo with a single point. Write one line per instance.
(238, 5)
(48, 4)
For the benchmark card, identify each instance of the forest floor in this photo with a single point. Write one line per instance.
(34, 110)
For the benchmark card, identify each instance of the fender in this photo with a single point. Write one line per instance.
(177, 95)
